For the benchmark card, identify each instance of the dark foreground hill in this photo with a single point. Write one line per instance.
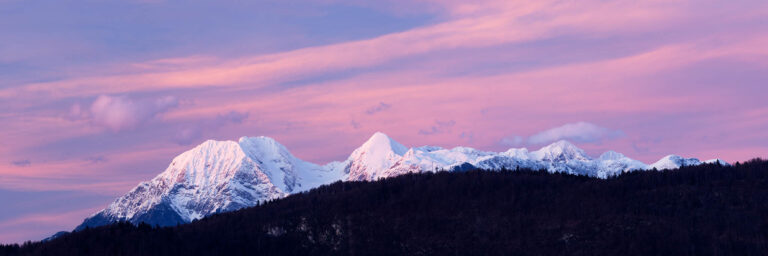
(702, 210)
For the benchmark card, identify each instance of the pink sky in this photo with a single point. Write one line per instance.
(93, 103)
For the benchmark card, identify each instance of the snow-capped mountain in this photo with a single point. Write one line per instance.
(369, 161)
(216, 176)
(612, 163)
(673, 162)
(220, 176)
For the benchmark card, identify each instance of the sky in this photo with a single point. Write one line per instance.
(96, 96)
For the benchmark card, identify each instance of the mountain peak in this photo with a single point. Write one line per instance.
(220, 176)
(381, 142)
(379, 134)
(673, 162)
(561, 145)
(256, 147)
(377, 154)
(560, 151)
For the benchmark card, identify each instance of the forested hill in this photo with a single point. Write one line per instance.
(701, 210)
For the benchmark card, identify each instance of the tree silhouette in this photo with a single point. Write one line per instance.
(709, 209)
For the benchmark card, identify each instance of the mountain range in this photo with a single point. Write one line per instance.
(222, 176)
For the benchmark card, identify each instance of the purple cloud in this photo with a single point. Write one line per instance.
(22, 163)
(378, 108)
(577, 132)
(512, 140)
(119, 113)
(468, 136)
(96, 159)
(188, 135)
(439, 127)
(354, 124)
(234, 117)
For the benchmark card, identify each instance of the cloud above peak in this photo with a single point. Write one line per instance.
(582, 132)
(120, 113)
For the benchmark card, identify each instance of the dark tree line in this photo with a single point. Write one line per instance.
(700, 210)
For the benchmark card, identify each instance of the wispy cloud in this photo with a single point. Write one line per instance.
(233, 116)
(512, 141)
(22, 163)
(354, 124)
(96, 159)
(578, 132)
(468, 136)
(476, 25)
(119, 113)
(378, 108)
(438, 127)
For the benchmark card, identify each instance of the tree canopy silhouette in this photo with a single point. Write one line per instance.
(697, 210)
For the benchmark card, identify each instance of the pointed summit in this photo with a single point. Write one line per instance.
(377, 154)
(561, 151)
(380, 141)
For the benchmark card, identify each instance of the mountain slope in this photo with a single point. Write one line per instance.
(222, 176)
